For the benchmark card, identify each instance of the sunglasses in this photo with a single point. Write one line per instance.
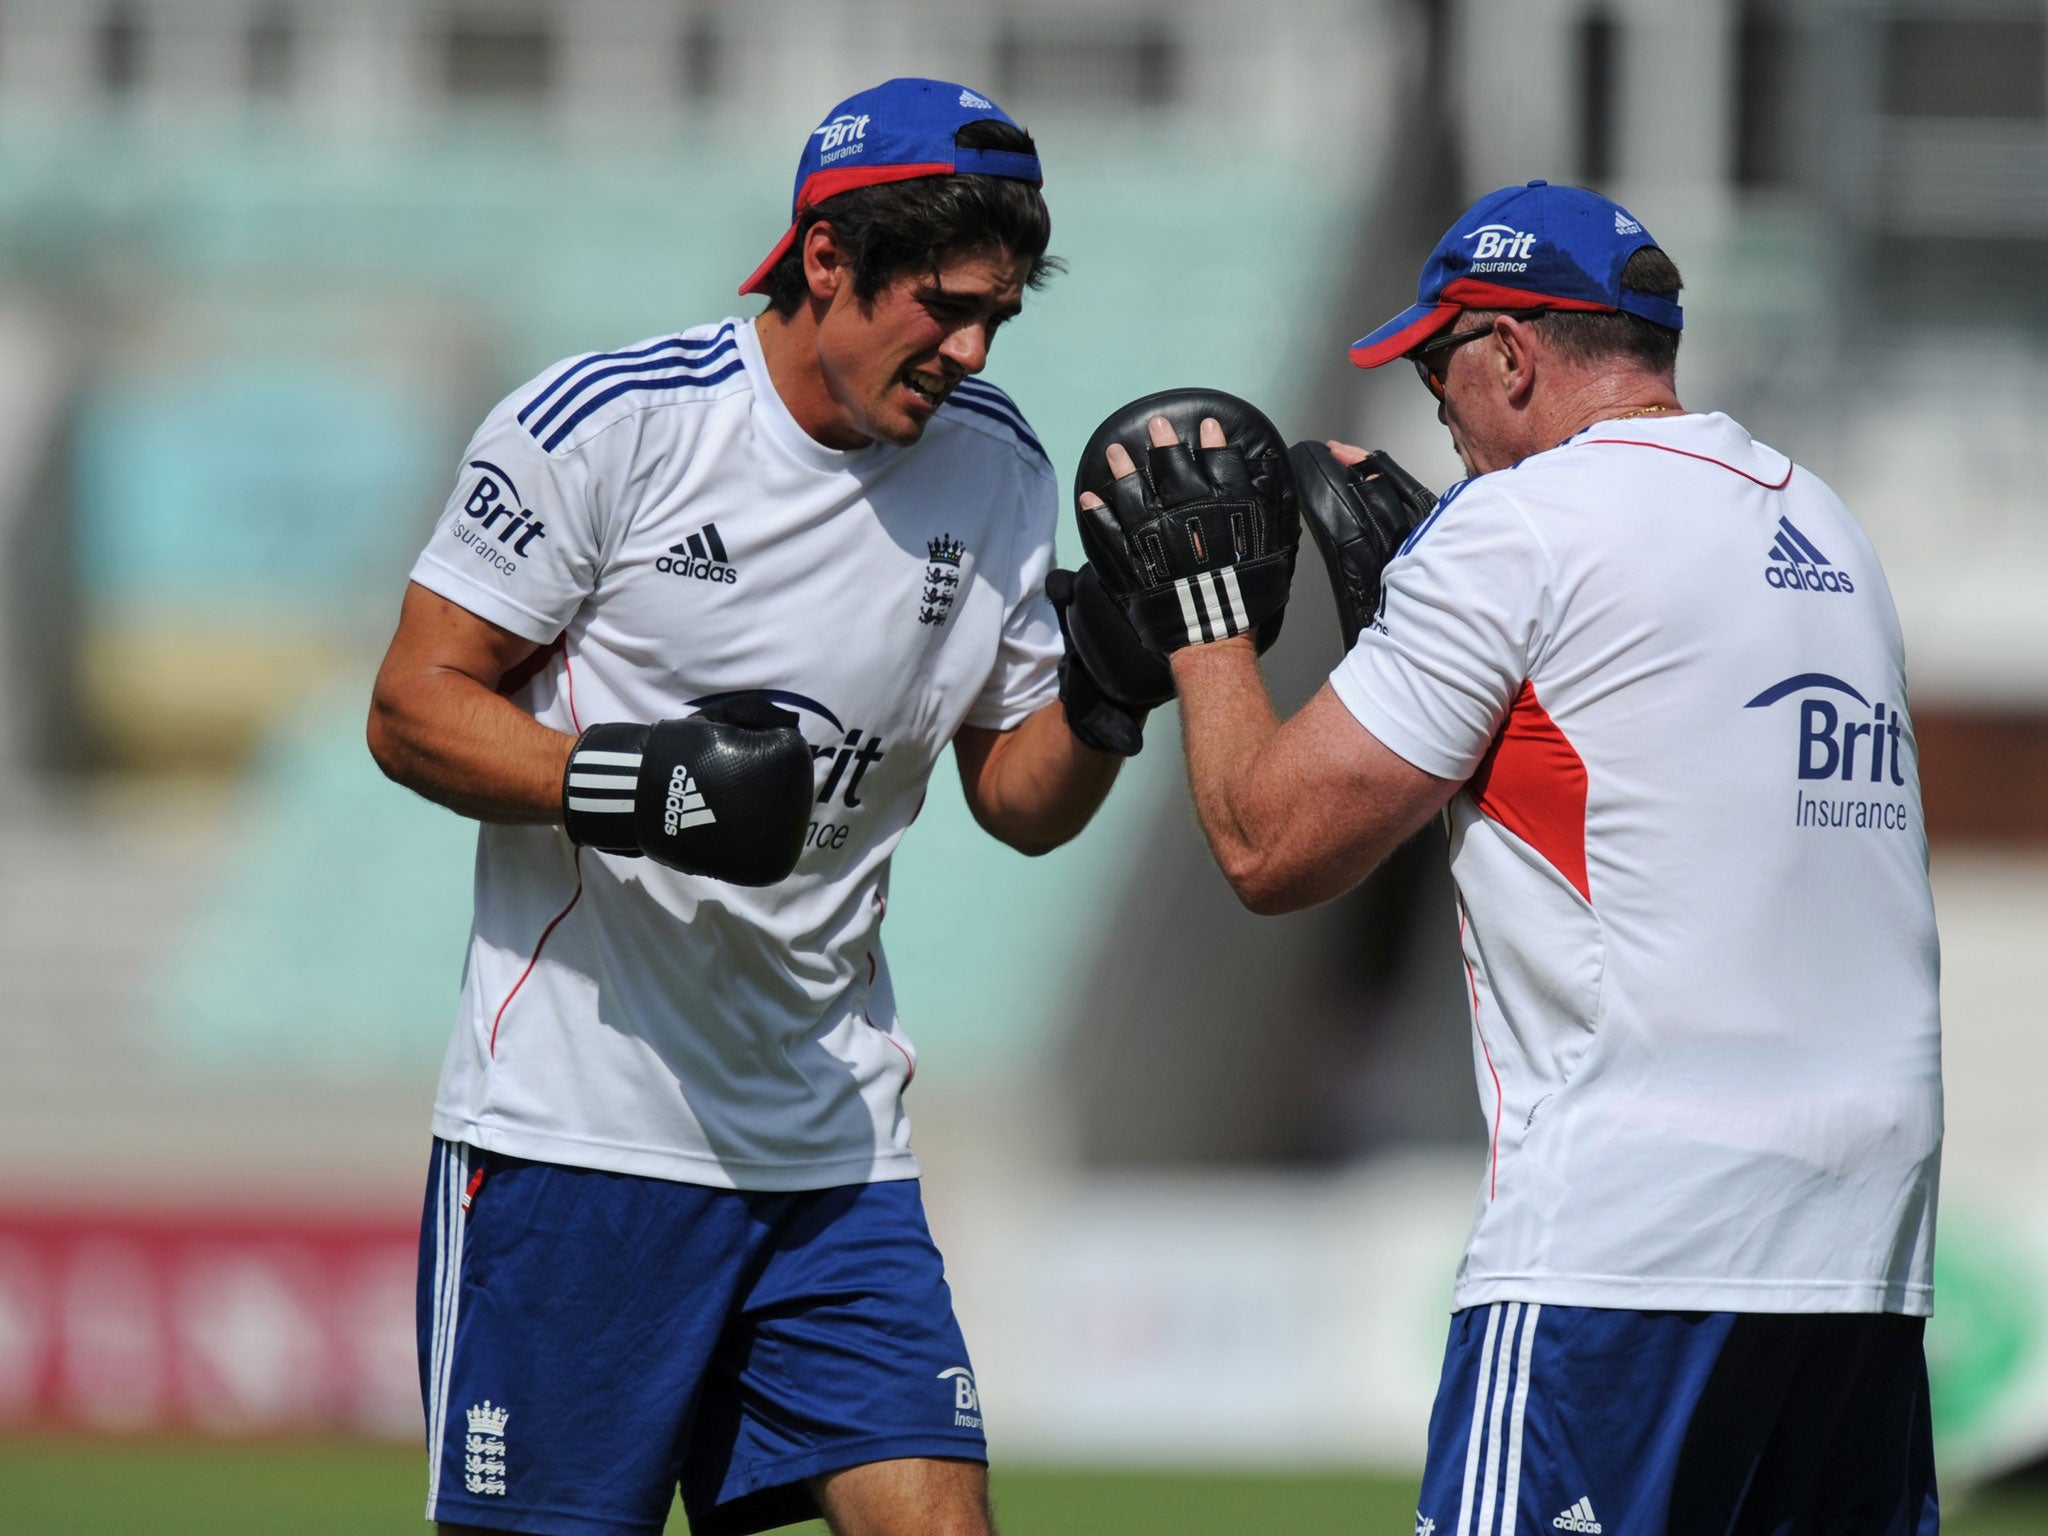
(1431, 358)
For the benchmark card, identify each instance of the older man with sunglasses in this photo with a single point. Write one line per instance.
(1650, 672)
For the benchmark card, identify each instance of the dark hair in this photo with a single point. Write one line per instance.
(1590, 338)
(904, 225)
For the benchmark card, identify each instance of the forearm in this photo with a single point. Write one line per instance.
(1297, 813)
(1226, 722)
(1034, 787)
(446, 736)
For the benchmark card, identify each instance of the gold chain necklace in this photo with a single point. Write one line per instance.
(1647, 410)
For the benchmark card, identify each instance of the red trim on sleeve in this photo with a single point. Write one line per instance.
(1533, 782)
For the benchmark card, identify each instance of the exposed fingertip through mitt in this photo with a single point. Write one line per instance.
(1199, 543)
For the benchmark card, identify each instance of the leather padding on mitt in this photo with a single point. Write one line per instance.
(1199, 544)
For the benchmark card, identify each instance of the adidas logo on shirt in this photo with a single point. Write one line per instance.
(1578, 1518)
(701, 557)
(685, 806)
(1797, 565)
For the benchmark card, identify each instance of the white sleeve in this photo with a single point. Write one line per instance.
(519, 542)
(1460, 624)
(1025, 677)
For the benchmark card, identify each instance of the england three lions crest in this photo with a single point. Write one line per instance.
(941, 579)
(483, 1458)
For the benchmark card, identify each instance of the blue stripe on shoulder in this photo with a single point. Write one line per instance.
(669, 351)
(987, 400)
(589, 381)
(627, 386)
(1429, 522)
(988, 394)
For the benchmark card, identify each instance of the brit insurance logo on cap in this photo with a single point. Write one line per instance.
(1501, 248)
(896, 131)
(1535, 246)
(844, 135)
(1504, 248)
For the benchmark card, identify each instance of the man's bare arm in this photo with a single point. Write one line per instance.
(1033, 787)
(1295, 813)
(439, 726)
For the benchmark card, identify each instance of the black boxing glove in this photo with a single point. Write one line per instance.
(724, 793)
(1199, 543)
(1109, 679)
(1359, 515)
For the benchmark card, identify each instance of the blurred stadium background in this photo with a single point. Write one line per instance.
(264, 263)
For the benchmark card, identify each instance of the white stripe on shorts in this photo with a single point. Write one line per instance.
(1517, 1416)
(1475, 1440)
(448, 1224)
(1502, 1384)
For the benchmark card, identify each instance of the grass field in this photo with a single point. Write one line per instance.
(90, 1488)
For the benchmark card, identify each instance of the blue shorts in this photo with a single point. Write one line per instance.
(1590, 1421)
(590, 1342)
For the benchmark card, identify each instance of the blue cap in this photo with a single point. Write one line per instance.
(899, 130)
(1532, 247)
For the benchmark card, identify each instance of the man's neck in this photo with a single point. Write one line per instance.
(789, 346)
(1603, 396)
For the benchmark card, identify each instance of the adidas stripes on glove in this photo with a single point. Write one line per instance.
(1198, 543)
(724, 793)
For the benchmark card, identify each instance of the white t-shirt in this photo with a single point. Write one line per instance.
(1692, 874)
(657, 519)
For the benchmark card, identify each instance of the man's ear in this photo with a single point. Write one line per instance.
(1517, 358)
(825, 267)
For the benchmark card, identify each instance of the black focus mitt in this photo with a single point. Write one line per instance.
(1109, 680)
(1199, 543)
(1359, 515)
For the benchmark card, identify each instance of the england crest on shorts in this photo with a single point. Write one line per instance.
(483, 1453)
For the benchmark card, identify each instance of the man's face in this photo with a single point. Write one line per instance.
(889, 362)
(1471, 403)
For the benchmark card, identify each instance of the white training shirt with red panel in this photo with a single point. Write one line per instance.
(1692, 874)
(657, 520)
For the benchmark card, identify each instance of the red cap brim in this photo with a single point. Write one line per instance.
(1402, 334)
(758, 283)
(1417, 323)
(820, 185)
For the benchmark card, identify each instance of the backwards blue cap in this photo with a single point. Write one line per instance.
(897, 131)
(1531, 247)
